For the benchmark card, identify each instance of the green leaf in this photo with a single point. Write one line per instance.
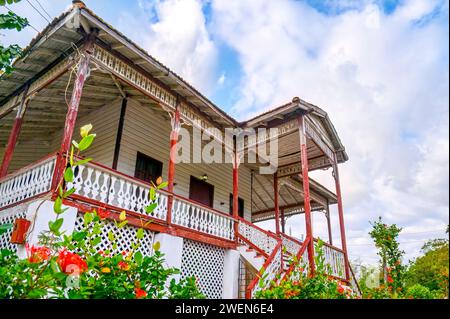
(68, 175)
(152, 194)
(55, 226)
(57, 206)
(111, 236)
(86, 142)
(150, 208)
(163, 185)
(140, 233)
(69, 192)
(83, 161)
(122, 224)
(88, 218)
(97, 240)
(78, 236)
(138, 257)
(5, 227)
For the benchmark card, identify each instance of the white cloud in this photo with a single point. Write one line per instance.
(384, 81)
(178, 38)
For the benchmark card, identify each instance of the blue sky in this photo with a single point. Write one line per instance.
(379, 68)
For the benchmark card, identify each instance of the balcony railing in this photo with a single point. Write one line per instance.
(28, 182)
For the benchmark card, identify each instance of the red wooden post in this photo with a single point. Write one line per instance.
(275, 201)
(72, 111)
(14, 135)
(176, 125)
(82, 74)
(341, 216)
(306, 200)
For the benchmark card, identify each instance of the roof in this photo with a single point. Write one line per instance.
(58, 39)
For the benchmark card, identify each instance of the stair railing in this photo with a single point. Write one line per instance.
(266, 244)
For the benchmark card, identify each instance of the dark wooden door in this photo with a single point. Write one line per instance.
(201, 192)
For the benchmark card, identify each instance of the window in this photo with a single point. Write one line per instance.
(240, 206)
(201, 192)
(147, 168)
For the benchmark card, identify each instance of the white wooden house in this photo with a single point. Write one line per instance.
(205, 218)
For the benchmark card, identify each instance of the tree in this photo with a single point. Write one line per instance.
(10, 21)
(431, 270)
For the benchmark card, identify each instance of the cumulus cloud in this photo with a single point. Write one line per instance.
(174, 32)
(383, 78)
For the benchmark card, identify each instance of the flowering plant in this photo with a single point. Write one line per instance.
(73, 266)
(319, 286)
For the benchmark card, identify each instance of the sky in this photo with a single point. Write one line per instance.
(379, 68)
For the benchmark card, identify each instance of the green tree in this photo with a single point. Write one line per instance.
(10, 21)
(431, 270)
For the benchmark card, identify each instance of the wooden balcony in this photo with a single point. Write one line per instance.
(97, 186)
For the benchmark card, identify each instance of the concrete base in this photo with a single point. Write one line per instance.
(231, 274)
(172, 247)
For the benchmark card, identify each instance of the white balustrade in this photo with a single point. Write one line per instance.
(257, 237)
(334, 261)
(291, 246)
(202, 219)
(27, 182)
(271, 269)
(105, 186)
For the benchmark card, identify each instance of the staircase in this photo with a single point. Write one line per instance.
(271, 255)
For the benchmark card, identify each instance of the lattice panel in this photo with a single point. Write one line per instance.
(125, 236)
(205, 262)
(9, 218)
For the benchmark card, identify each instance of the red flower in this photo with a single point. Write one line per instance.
(340, 289)
(123, 265)
(390, 280)
(71, 263)
(139, 293)
(102, 213)
(37, 254)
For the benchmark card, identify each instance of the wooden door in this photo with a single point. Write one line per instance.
(201, 192)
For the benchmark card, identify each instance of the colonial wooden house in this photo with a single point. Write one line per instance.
(81, 70)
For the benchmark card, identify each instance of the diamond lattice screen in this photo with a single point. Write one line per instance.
(9, 218)
(205, 262)
(125, 236)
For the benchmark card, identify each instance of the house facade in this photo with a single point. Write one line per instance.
(223, 175)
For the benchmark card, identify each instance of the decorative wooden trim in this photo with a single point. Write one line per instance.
(296, 168)
(133, 77)
(312, 133)
(142, 82)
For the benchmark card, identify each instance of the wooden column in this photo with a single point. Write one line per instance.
(306, 200)
(14, 135)
(283, 222)
(176, 125)
(327, 215)
(341, 216)
(81, 76)
(275, 202)
(236, 162)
